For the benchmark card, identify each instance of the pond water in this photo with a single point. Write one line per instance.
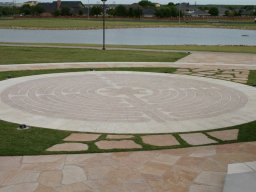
(138, 36)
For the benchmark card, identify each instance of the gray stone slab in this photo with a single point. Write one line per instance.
(196, 139)
(245, 182)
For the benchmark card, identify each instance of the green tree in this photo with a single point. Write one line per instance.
(167, 12)
(65, 11)
(146, 3)
(6, 11)
(121, 10)
(134, 12)
(214, 11)
(80, 12)
(57, 12)
(26, 10)
(96, 10)
(111, 11)
(37, 10)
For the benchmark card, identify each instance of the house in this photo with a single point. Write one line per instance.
(146, 11)
(31, 3)
(76, 7)
(199, 13)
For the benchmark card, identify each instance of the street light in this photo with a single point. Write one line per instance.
(104, 10)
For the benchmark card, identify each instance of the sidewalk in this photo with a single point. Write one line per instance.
(191, 169)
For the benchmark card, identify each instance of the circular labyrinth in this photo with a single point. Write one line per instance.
(126, 102)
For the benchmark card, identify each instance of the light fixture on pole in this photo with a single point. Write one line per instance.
(104, 11)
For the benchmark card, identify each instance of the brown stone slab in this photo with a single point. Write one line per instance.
(69, 147)
(82, 137)
(10, 163)
(119, 136)
(197, 139)
(124, 144)
(50, 178)
(211, 178)
(160, 140)
(226, 135)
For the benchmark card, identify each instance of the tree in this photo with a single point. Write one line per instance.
(6, 11)
(167, 12)
(80, 12)
(96, 10)
(214, 11)
(26, 9)
(120, 10)
(145, 3)
(65, 11)
(57, 12)
(134, 12)
(111, 11)
(171, 4)
(37, 10)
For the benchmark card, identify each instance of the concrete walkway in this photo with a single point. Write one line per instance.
(192, 169)
(208, 60)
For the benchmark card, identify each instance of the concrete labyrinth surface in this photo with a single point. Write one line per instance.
(126, 102)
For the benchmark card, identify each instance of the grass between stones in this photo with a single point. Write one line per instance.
(35, 141)
(19, 55)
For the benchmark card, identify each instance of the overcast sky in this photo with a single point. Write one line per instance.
(233, 2)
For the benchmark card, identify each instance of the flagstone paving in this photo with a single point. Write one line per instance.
(124, 144)
(127, 142)
(69, 147)
(226, 135)
(119, 136)
(197, 139)
(160, 140)
(176, 170)
(82, 137)
(235, 75)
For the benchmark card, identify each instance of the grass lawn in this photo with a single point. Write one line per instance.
(211, 48)
(34, 141)
(72, 23)
(18, 55)
(252, 78)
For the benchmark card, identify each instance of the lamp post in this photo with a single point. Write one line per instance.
(88, 9)
(104, 10)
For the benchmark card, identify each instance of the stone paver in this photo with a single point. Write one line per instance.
(173, 170)
(119, 136)
(124, 144)
(82, 137)
(160, 140)
(226, 135)
(69, 147)
(236, 75)
(73, 174)
(219, 58)
(210, 178)
(10, 163)
(241, 177)
(196, 139)
(29, 187)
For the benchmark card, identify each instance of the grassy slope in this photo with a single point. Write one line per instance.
(252, 78)
(212, 48)
(47, 55)
(97, 24)
(35, 140)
